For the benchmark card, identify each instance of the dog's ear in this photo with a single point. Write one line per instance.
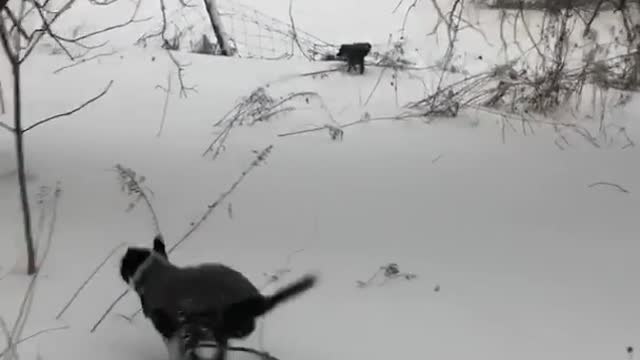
(158, 246)
(131, 261)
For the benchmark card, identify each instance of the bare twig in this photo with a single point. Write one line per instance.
(6, 127)
(109, 309)
(86, 282)
(258, 106)
(365, 119)
(72, 111)
(294, 33)
(314, 129)
(131, 183)
(604, 183)
(181, 67)
(36, 334)
(83, 61)
(596, 11)
(8, 339)
(397, 6)
(167, 92)
(260, 158)
(406, 17)
(373, 90)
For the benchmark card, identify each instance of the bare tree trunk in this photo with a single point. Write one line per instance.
(22, 179)
(218, 28)
(2, 106)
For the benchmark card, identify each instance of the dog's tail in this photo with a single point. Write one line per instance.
(260, 305)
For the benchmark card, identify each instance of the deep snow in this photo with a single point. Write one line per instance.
(531, 262)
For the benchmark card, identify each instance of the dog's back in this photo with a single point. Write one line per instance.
(196, 289)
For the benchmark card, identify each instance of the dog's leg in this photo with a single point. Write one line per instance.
(174, 348)
(221, 354)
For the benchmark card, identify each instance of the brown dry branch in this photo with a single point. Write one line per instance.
(504, 49)
(167, 93)
(87, 280)
(6, 127)
(11, 350)
(615, 186)
(336, 132)
(546, 87)
(520, 92)
(2, 106)
(406, 17)
(72, 111)
(27, 338)
(83, 61)
(133, 185)
(259, 106)
(452, 22)
(261, 157)
(184, 89)
(108, 310)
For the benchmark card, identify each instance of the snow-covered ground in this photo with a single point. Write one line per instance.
(530, 262)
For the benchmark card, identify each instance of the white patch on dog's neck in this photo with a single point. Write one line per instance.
(142, 268)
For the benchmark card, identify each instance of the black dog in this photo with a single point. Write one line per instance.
(354, 54)
(212, 298)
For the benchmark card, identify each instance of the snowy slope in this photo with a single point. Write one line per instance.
(530, 261)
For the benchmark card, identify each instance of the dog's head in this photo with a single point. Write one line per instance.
(136, 257)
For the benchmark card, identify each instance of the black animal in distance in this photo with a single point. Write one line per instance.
(216, 300)
(354, 54)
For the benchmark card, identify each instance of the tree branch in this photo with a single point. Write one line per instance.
(39, 33)
(6, 127)
(95, 271)
(36, 334)
(71, 112)
(82, 61)
(4, 41)
(16, 24)
(604, 183)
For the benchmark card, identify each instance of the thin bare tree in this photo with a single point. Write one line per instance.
(18, 40)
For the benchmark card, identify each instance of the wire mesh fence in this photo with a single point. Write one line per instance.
(252, 33)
